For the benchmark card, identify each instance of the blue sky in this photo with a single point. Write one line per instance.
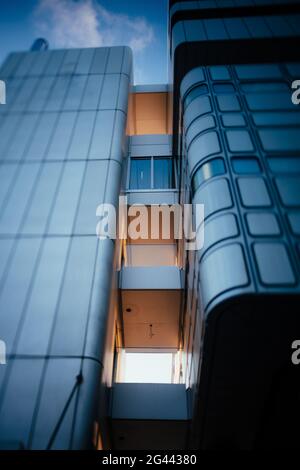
(140, 24)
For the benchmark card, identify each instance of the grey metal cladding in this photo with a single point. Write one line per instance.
(58, 386)
(258, 198)
(38, 312)
(94, 187)
(38, 100)
(20, 269)
(74, 299)
(154, 145)
(88, 395)
(21, 137)
(37, 413)
(61, 151)
(17, 198)
(108, 123)
(65, 206)
(10, 64)
(17, 412)
(149, 401)
(82, 134)
(98, 309)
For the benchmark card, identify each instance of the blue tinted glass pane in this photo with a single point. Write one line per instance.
(264, 87)
(163, 173)
(245, 165)
(233, 120)
(224, 88)
(219, 73)
(140, 173)
(194, 93)
(284, 165)
(208, 170)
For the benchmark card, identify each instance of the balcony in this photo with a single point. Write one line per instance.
(149, 416)
(141, 255)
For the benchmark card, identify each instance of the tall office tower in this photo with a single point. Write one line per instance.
(75, 133)
(236, 135)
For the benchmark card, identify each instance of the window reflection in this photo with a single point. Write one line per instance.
(245, 165)
(194, 93)
(208, 170)
(151, 173)
(224, 88)
(284, 164)
(140, 173)
(264, 87)
(163, 173)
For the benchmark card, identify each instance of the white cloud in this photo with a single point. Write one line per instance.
(86, 23)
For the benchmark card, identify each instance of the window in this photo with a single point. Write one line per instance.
(245, 165)
(224, 88)
(163, 173)
(208, 170)
(264, 87)
(140, 173)
(194, 93)
(284, 164)
(149, 367)
(151, 173)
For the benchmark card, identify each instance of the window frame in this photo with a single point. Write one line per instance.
(152, 182)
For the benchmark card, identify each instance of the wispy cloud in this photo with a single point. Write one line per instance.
(86, 23)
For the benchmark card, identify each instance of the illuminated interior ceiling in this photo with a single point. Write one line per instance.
(151, 318)
(148, 114)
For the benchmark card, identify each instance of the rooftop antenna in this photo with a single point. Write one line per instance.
(40, 44)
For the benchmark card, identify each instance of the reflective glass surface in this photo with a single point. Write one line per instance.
(140, 173)
(163, 173)
(284, 164)
(208, 170)
(245, 165)
(194, 93)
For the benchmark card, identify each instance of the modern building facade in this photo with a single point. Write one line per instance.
(238, 140)
(75, 133)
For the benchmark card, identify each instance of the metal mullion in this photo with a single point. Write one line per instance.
(152, 173)
(128, 169)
